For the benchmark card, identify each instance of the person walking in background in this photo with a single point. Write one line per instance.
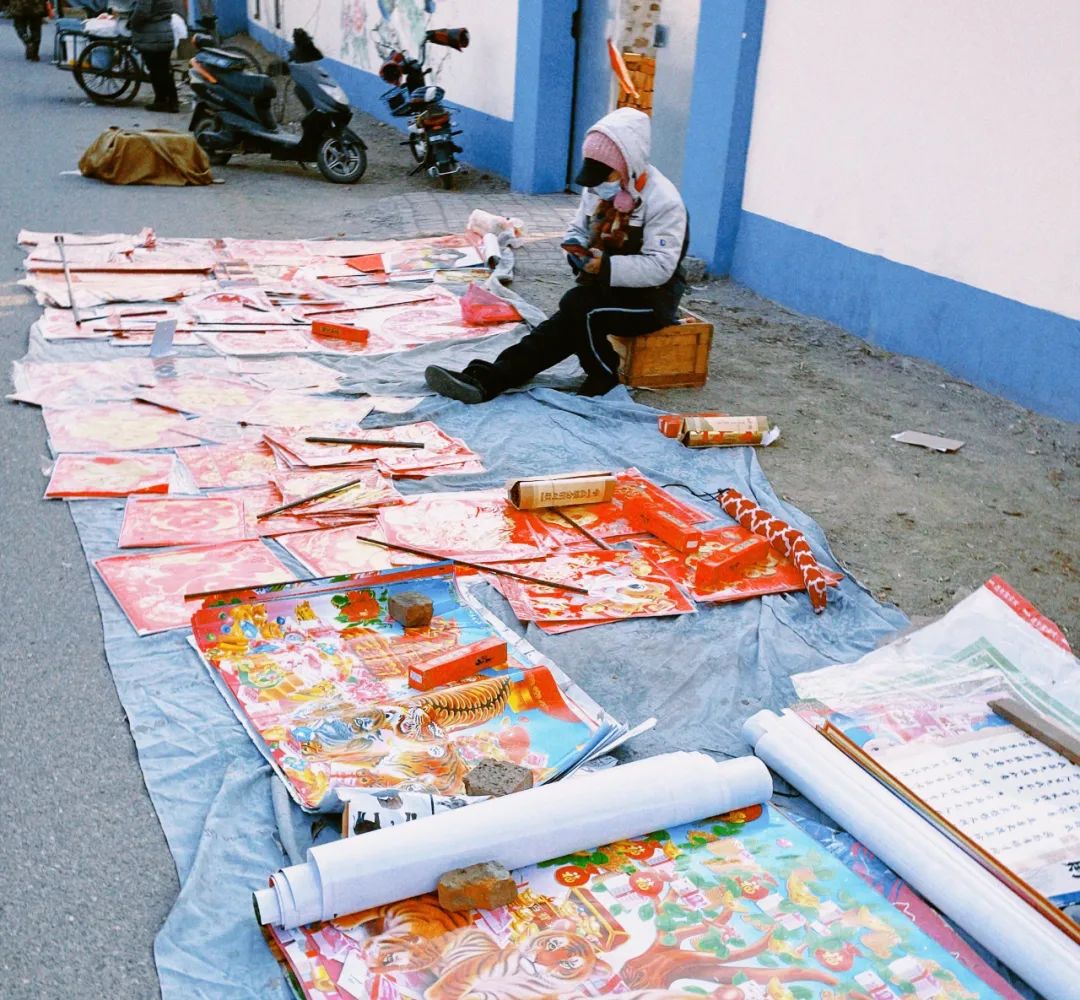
(625, 246)
(27, 16)
(150, 22)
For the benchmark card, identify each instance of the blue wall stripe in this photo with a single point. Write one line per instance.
(1026, 354)
(718, 130)
(543, 95)
(486, 140)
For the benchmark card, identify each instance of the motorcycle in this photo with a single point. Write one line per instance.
(431, 128)
(234, 115)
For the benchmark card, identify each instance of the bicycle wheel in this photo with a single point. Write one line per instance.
(108, 73)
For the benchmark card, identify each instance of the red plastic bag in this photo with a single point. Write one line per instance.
(479, 306)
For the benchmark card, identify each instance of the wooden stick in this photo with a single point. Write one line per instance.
(599, 542)
(303, 500)
(377, 305)
(1038, 726)
(483, 567)
(374, 442)
(234, 590)
(67, 277)
(123, 316)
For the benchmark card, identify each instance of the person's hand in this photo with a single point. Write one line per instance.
(595, 262)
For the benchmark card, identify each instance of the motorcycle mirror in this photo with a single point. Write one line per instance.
(454, 38)
(391, 73)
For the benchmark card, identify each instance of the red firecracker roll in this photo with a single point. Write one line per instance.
(783, 537)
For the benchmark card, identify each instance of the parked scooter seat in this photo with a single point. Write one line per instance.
(253, 85)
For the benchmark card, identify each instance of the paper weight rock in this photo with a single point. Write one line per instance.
(411, 609)
(497, 777)
(478, 887)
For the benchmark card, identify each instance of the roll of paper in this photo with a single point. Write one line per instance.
(491, 251)
(516, 830)
(956, 884)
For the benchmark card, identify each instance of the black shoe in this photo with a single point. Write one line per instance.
(597, 385)
(171, 108)
(455, 385)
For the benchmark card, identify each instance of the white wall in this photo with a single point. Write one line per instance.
(942, 134)
(481, 77)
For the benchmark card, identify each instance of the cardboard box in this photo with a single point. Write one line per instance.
(458, 663)
(671, 424)
(668, 528)
(725, 567)
(712, 432)
(569, 490)
(339, 331)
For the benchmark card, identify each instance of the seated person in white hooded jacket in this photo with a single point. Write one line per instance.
(625, 244)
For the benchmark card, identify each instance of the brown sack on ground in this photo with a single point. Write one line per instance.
(151, 156)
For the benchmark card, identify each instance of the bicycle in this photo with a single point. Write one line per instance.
(111, 70)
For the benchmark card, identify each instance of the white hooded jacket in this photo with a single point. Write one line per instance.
(659, 213)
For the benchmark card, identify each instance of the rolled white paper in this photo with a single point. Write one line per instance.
(515, 830)
(935, 867)
(491, 250)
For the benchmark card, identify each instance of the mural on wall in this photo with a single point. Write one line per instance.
(371, 29)
(637, 25)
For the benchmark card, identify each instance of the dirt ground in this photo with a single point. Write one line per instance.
(919, 528)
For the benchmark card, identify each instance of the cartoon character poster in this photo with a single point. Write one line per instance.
(320, 679)
(743, 906)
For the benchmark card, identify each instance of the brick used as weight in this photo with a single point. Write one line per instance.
(411, 609)
(497, 777)
(478, 887)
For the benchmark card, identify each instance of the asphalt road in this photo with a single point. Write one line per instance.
(85, 875)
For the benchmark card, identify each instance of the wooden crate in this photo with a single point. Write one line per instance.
(672, 357)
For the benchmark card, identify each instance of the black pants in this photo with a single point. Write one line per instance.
(29, 31)
(159, 66)
(587, 314)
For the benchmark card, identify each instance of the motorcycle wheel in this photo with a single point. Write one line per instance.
(418, 146)
(107, 73)
(216, 157)
(341, 158)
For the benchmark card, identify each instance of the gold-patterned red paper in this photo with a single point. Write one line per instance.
(218, 398)
(150, 586)
(478, 526)
(773, 574)
(367, 491)
(115, 427)
(621, 584)
(228, 466)
(77, 476)
(332, 551)
(155, 522)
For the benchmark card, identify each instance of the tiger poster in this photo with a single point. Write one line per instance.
(320, 681)
(744, 906)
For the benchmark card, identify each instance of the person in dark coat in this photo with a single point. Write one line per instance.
(150, 22)
(27, 16)
(625, 245)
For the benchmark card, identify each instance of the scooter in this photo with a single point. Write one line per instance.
(431, 128)
(233, 113)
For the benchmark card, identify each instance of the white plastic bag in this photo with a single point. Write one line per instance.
(179, 29)
(102, 26)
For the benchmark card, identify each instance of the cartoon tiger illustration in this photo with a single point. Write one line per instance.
(475, 967)
(411, 935)
(467, 705)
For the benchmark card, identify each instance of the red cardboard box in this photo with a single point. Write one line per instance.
(456, 664)
(727, 566)
(668, 528)
(357, 334)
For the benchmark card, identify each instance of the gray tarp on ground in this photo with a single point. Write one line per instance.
(701, 675)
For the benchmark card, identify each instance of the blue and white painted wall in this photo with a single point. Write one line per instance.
(913, 175)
